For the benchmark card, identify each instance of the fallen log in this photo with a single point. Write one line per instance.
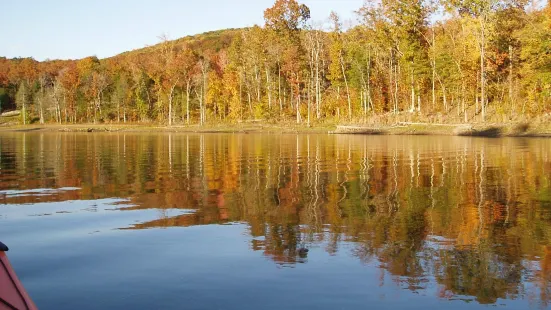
(11, 113)
(357, 130)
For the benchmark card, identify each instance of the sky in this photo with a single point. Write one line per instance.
(73, 29)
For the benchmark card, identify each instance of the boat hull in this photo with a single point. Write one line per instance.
(12, 293)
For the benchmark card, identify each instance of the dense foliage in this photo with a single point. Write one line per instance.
(452, 60)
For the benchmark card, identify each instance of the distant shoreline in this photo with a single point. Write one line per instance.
(489, 130)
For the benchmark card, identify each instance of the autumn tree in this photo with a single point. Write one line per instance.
(165, 72)
(186, 62)
(316, 47)
(70, 80)
(285, 19)
(338, 67)
(141, 86)
(44, 80)
(202, 82)
(25, 74)
(485, 13)
(535, 60)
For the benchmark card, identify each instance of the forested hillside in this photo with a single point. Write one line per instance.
(444, 61)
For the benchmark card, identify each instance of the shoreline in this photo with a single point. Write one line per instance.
(473, 130)
(209, 128)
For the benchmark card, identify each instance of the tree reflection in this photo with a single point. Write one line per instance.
(473, 215)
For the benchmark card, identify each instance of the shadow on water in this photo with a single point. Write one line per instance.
(471, 217)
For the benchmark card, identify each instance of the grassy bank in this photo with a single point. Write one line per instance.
(522, 129)
(208, 128)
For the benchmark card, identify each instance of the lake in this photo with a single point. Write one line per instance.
(277, 221)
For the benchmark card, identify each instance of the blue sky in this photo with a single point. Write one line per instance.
(70, 29)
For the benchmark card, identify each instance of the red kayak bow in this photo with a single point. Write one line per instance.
(12, 293)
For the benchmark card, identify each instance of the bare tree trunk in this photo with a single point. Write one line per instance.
(309, 95)
(170, 100)
(201, 120)
(511, 80)
(318, 90)
(188, 89)
(268, 88)
(241, 94)
(257, 80)
(476, 92)
(41, 110)
(98, 103)
(390, 82)
(279, 86)
(321, 74)
(24, 112)
(483, 67)
(347, 89)
(284, 96)
(444, 95)
(55, 97)
(363, 93)
(23, 90)
(463, 90)
(41, 99)
(369, 102)
(433, 65)
(204, 71)
(250, 104)
(362, 102)
(311, 82)
(396, 108)
(299, 117)
(94, 106)
(412, 109)
(65, 108)
(291, 94)
(118, 111)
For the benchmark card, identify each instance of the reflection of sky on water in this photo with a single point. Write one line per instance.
(36, 192)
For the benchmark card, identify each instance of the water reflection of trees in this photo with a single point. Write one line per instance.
(472, 214)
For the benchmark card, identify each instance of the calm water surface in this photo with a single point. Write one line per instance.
(176, 221)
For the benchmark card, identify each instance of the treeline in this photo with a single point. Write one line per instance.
(448, 60)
